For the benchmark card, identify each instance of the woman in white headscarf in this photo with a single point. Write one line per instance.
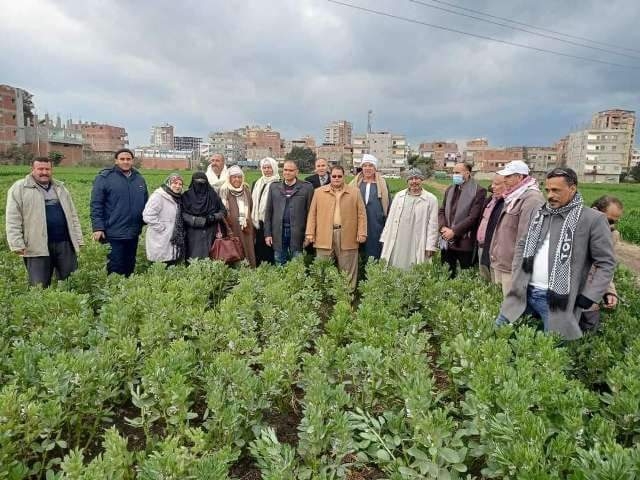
(236, 197)
(260, 196)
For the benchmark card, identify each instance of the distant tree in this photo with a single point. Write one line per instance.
(635, 173)
(16, 155)
(424, 164)
(27, 107)
(55, 157)
(304, 157)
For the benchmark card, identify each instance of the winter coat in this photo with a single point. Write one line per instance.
(320, 218)
(592, 247)
(26, 220)
(426, 216)
(512, 224)
(464, 231)
(160, 216)
(117, 202)
(300, 202)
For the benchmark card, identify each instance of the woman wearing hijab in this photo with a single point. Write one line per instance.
(260, 195)
(236, 197)
(202, 209)
(164, 240)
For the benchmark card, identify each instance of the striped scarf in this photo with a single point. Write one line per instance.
(560, 275)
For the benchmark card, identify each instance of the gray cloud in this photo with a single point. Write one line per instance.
(299, 64)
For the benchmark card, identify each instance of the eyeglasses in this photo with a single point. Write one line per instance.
(337, 176)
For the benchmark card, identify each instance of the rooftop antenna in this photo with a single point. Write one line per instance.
(369, 118)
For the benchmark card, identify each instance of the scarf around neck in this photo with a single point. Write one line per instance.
(560, 275)
(242, 197)
(511, 195)
(260, 195)
(216, 181)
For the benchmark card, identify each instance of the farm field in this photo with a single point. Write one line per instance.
(277, 373)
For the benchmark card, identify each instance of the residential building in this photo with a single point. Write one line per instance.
(338, 133)
(439, 152)
(47, 137)
(618, 119)
(266, 140)
(336, 154)
(230, 144)
(562, 148)
(186, 143)
(162, 136)
(493, 159)
(389, 149)
(305, 142)
(541, 160)
(162, 159)
(598, 155)
(102, 138)
(635, 157)
(13, 120)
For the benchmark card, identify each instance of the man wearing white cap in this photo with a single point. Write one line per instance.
(375, 194)
(522, 196)
(410, 235)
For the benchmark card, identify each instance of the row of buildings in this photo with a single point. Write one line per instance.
(20, 126)
(599, 153)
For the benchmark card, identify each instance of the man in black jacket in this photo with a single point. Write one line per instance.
(118, 198)
(285, 218)
(321, 177)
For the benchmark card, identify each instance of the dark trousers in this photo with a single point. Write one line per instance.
(264, 253)
(121, 258)
(287, 252)
(455, 257)
(62, 258)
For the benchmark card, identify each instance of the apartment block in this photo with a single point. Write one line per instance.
(230, 144)
(305, 142)
(12, 116)
(186, 143)
(541, 160)
(336, 154)
(618, 119)
(339, 132)
(598, 155)
(102, 138)
(264, 140)
(440, 151)
(390, 150)
(162, 136)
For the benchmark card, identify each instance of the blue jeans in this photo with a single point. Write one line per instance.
(287, 253)
(121, 258)
(537, 306)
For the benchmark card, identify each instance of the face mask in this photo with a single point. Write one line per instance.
(458, 179)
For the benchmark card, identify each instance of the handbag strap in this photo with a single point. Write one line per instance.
(227, 226)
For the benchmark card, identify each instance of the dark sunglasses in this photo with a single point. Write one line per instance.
(337, 176)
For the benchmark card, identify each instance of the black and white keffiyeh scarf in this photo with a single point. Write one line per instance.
(560, 275)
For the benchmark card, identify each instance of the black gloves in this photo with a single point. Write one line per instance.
(215, 217)
(583, 302)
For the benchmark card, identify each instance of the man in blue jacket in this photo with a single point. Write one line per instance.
(117, 200)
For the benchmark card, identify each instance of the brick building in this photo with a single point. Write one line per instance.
(336, 154)
(12, 116)
(439, 151)
(264, 140)
(102, 138)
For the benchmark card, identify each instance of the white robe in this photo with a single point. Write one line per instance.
(425, 226)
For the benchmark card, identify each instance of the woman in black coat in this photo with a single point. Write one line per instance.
(202, 210)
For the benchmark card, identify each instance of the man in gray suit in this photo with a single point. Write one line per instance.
(285, 217)
(554, 257)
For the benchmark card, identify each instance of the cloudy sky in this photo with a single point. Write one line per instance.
(298, 64)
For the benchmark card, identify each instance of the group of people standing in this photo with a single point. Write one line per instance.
(521, 242)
